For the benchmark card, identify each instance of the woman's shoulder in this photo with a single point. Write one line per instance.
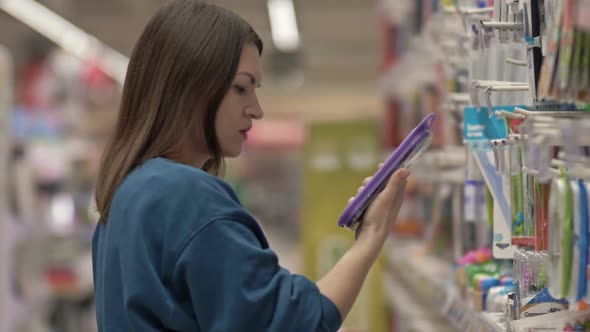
(163, 195)
(160, 175)
(162, 204)
(164, 185)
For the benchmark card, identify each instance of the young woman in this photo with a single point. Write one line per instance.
(175, 250)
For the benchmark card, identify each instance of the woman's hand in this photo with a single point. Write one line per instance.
(382, 213)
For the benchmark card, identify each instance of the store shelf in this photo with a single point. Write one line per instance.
(467, 319)
(413, 315)
(429, 282)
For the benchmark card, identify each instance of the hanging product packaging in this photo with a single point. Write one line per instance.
(543, 6)
(583, 241)
(541, 207)
(560, 238)
(519, 287)
(576, 232)
(576, 66)
(479, 130)
(516, 187)
(529, 273)
(585, 79)
(585, 213)
(547, 80)
(531, 294)
(528, 206)
(521, 234)
(531, 212)
(532, 33)
(566, 49)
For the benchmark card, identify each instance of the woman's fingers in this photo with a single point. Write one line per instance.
(365, 182)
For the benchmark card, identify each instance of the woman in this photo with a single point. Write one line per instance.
(175, 250)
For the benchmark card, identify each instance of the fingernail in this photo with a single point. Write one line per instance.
(404, 173)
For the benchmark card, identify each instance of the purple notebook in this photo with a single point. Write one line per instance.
(414, 144)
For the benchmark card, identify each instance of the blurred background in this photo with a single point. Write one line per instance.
(63, 62)
(344, 82)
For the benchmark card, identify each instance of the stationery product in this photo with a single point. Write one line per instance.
(516, 186)
(547, 85)
(582, 243)
(532, 32)
(410, 149)
(516, 179)
(541, 213)
(576, 67)
(565, 51)
(585, 211)
(560, 238)
(576, 257)
(528, 194)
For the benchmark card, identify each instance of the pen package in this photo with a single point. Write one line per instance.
(560, 238)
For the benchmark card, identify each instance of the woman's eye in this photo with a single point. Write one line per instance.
(240, 90)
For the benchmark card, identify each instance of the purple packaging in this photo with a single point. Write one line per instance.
(412, 146)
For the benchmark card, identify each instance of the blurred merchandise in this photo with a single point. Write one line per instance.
(338, 155)
(512, 163)
(494, 232)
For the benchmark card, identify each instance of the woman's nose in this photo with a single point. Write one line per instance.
(255, 111)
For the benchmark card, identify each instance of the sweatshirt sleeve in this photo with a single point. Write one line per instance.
(236, 285)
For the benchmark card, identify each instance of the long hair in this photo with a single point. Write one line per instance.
(180, 69)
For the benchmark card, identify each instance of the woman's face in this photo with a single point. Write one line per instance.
(240, 106)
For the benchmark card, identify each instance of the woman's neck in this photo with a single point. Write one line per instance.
(194, 159)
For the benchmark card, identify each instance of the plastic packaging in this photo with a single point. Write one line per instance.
(560, 238)
(411, 148)
(516, 189)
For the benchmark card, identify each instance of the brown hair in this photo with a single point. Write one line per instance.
(181, 68)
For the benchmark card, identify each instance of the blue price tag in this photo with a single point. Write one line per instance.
(478, 125)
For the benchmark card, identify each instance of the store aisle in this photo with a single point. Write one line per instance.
(286, 248)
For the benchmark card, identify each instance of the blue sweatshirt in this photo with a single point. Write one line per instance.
(180, 253)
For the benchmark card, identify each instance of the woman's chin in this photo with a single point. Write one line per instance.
(232, 153)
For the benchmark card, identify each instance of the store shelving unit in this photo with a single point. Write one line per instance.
(68, 36)
(495, 62)
(429, 281)
(28, 236)
(411, 313)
